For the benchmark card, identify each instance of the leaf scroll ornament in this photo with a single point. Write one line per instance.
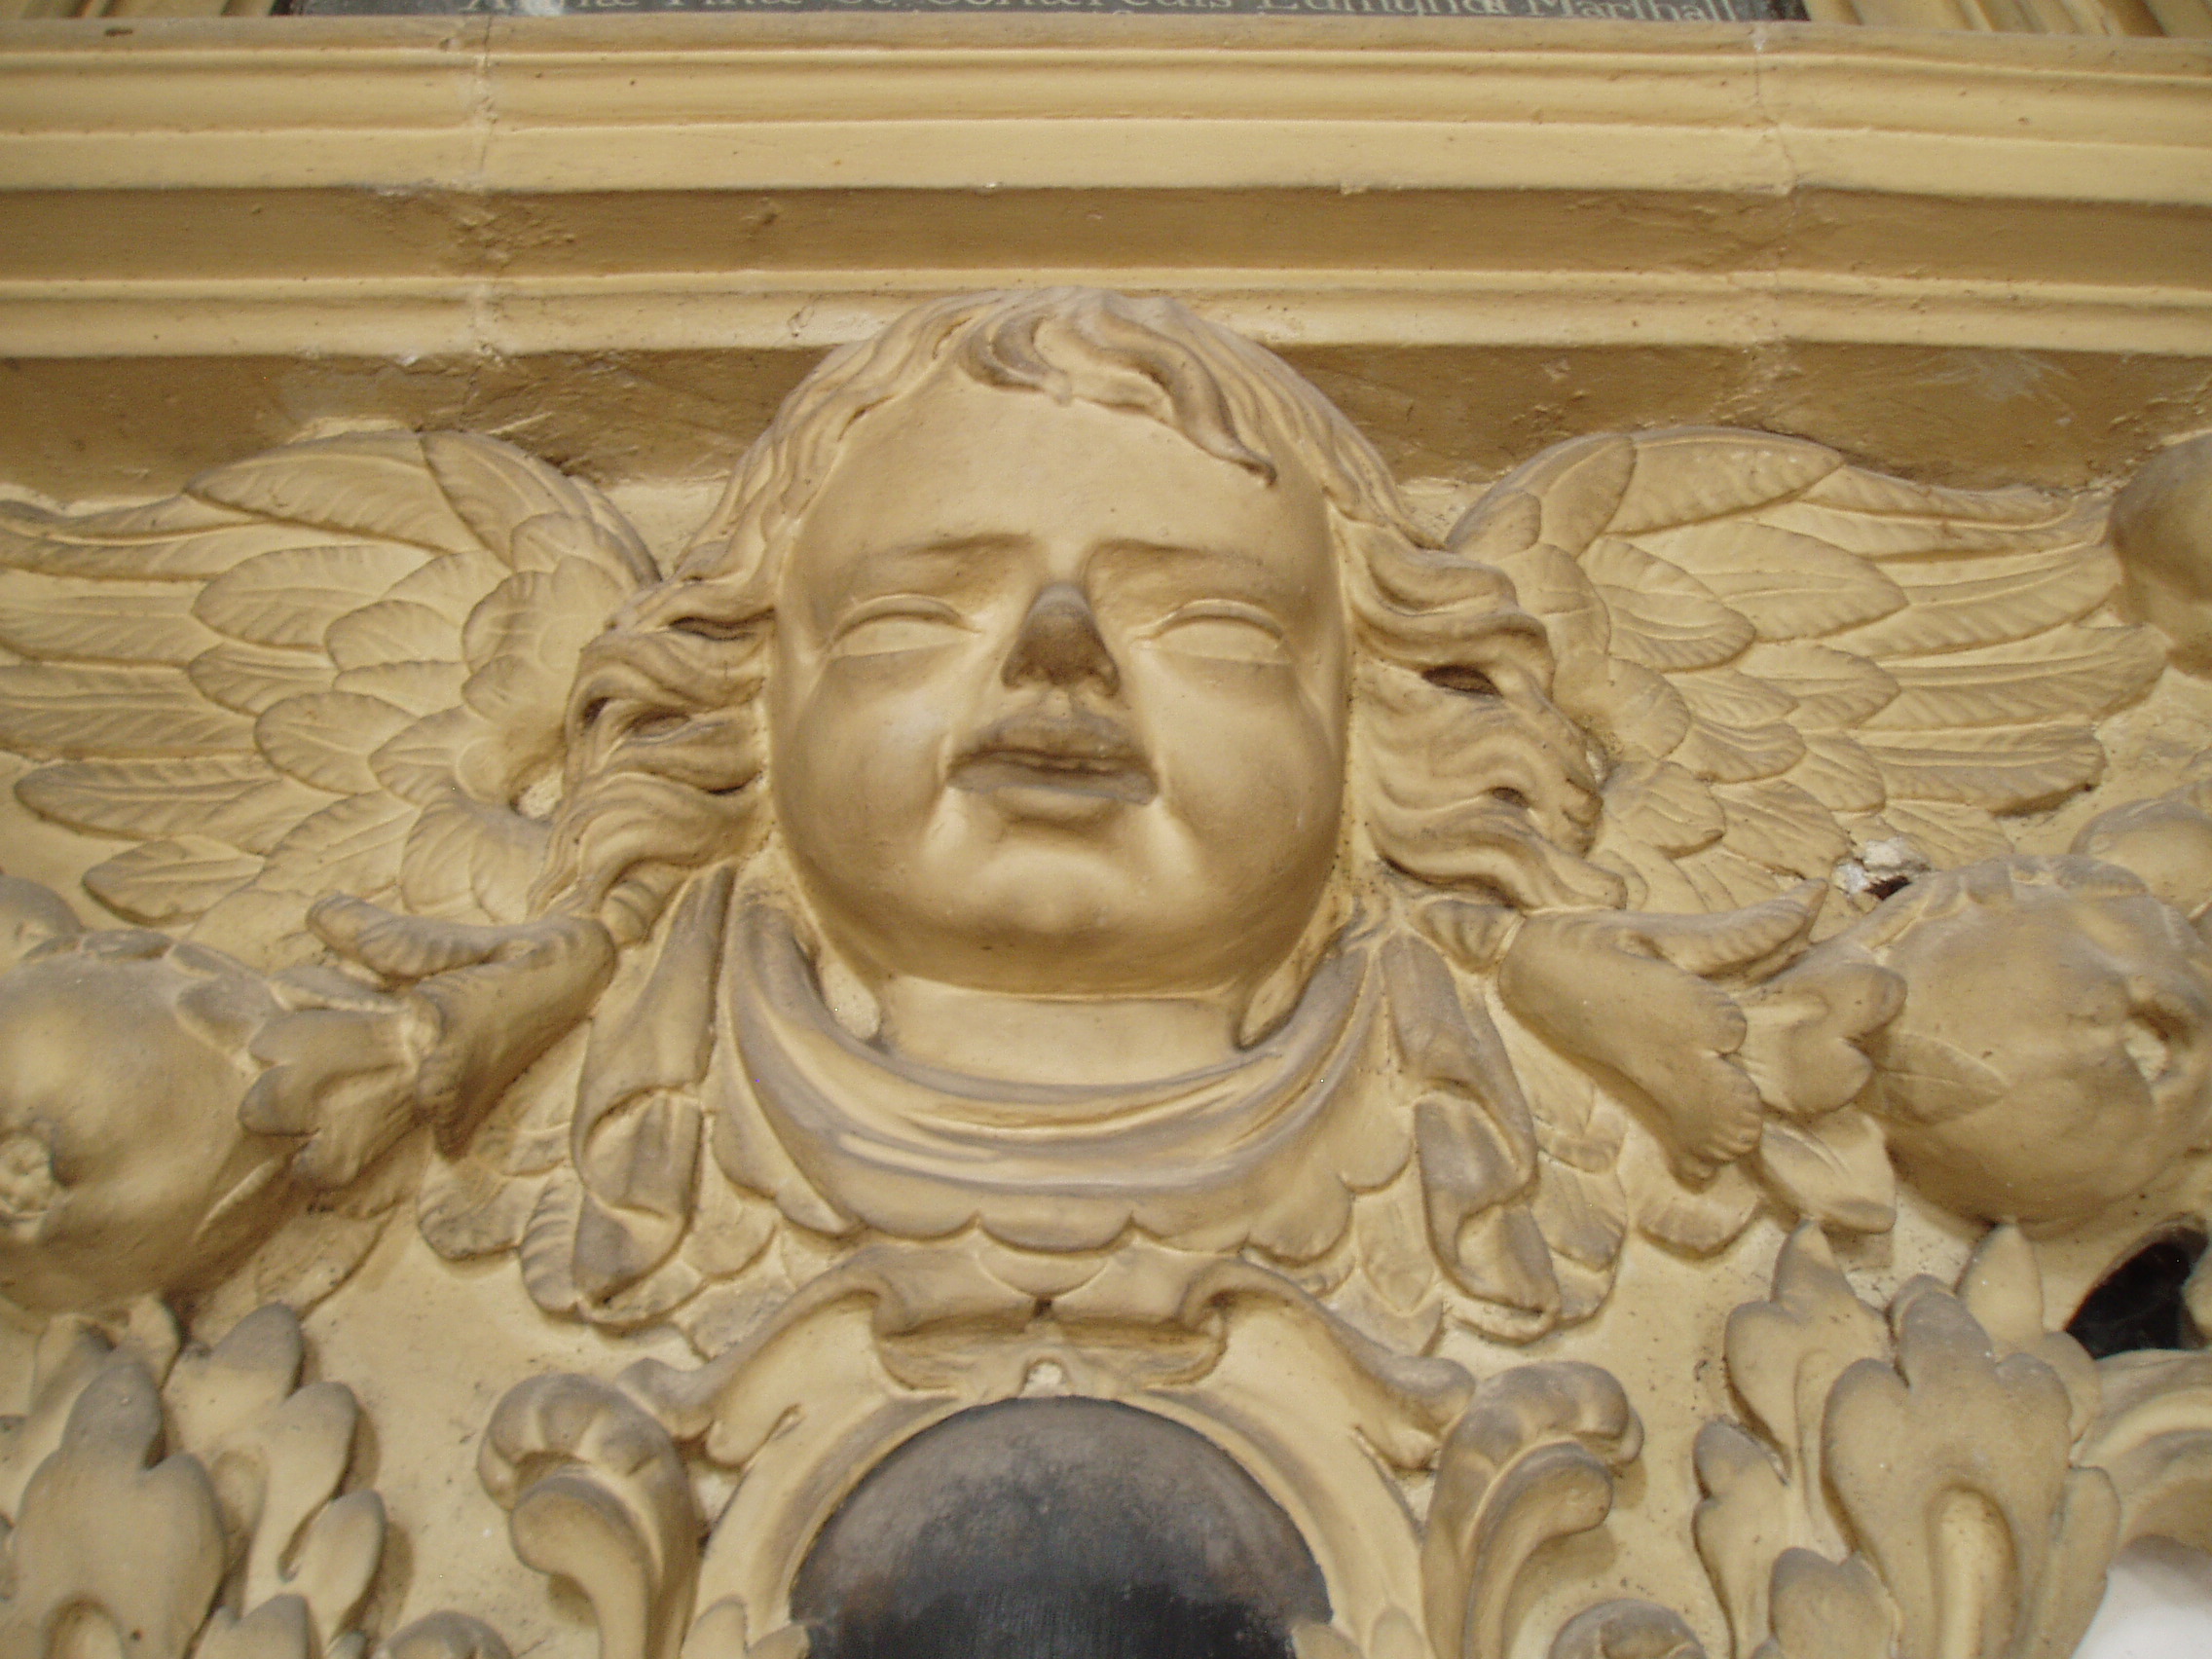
(161, 1507)
(1915, 1486)
(597, 1494)
(1531, 1459)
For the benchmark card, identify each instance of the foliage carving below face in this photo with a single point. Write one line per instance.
(1059, 700)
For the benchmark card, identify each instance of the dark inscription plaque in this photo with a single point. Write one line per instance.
(1638, 11)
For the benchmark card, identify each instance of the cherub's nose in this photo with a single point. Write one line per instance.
(1059, 645)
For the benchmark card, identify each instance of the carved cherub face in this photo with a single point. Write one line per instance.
(122, 1168)
(1059, 699)
(1061, 628)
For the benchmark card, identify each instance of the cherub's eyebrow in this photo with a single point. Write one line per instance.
(1247, 571)
(934, 557)
(1185, 551)
(940, 548)
(1250, 572)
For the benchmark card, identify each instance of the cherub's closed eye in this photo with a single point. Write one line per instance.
(906, 622)
(1223, 631)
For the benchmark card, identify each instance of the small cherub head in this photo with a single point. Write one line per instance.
(2166, 843)
(1058, 622)
(124, 1170)
(2055, 1055)
(2163, 527)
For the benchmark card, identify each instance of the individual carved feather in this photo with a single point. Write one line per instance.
(1947, 835)
(1732, 697)
(336, 666)
(325, 738)
(181, 540)
(1728, 754)
(1831, 689)
(248, 679)
(496, 490)
(1663, 617)
(292, 596)
(1788, 586)
(2007, 769)
(160, 882)
(1694, 474)
(377, 484)
(44, 619)
(351, 847)
(48, 709)
(391, 630)
(1838, 773)
(420, 686)
(1782, 828)
(230, 797)
(1956, 604)
(1660, 805)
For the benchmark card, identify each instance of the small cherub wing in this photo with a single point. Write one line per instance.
(1789, 667)
(1786, 658)
(336, 667)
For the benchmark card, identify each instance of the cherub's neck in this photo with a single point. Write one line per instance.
(1039, 1040)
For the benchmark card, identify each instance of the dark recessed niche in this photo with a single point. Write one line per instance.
(1058, 1528)
(2140, 1304)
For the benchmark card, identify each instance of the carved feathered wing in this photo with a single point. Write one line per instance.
(336, 667)
(1783, 659)
(1786, 656)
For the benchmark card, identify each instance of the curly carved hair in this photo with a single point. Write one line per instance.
(1464, 774)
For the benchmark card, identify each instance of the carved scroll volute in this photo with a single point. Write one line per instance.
(597, 1494)
(2153, 1437)
(1533, 1459)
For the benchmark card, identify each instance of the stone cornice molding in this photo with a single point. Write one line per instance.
(428, 186)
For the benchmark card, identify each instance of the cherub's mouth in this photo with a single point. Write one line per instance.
(1078, 754)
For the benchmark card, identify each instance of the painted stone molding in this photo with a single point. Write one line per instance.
(1088, 1025)
(2022, 16)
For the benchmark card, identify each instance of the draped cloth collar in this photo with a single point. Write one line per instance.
(1263, 1148)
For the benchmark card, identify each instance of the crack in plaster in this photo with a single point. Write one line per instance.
(482, 306)
(1768, 364)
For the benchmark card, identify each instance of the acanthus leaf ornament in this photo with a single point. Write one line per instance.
(1948, 1480)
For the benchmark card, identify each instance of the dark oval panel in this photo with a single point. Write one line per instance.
(1058, 1528)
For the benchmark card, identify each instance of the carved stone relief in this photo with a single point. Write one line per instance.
(1086, 1015)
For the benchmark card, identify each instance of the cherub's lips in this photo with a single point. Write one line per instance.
(1082, 755)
